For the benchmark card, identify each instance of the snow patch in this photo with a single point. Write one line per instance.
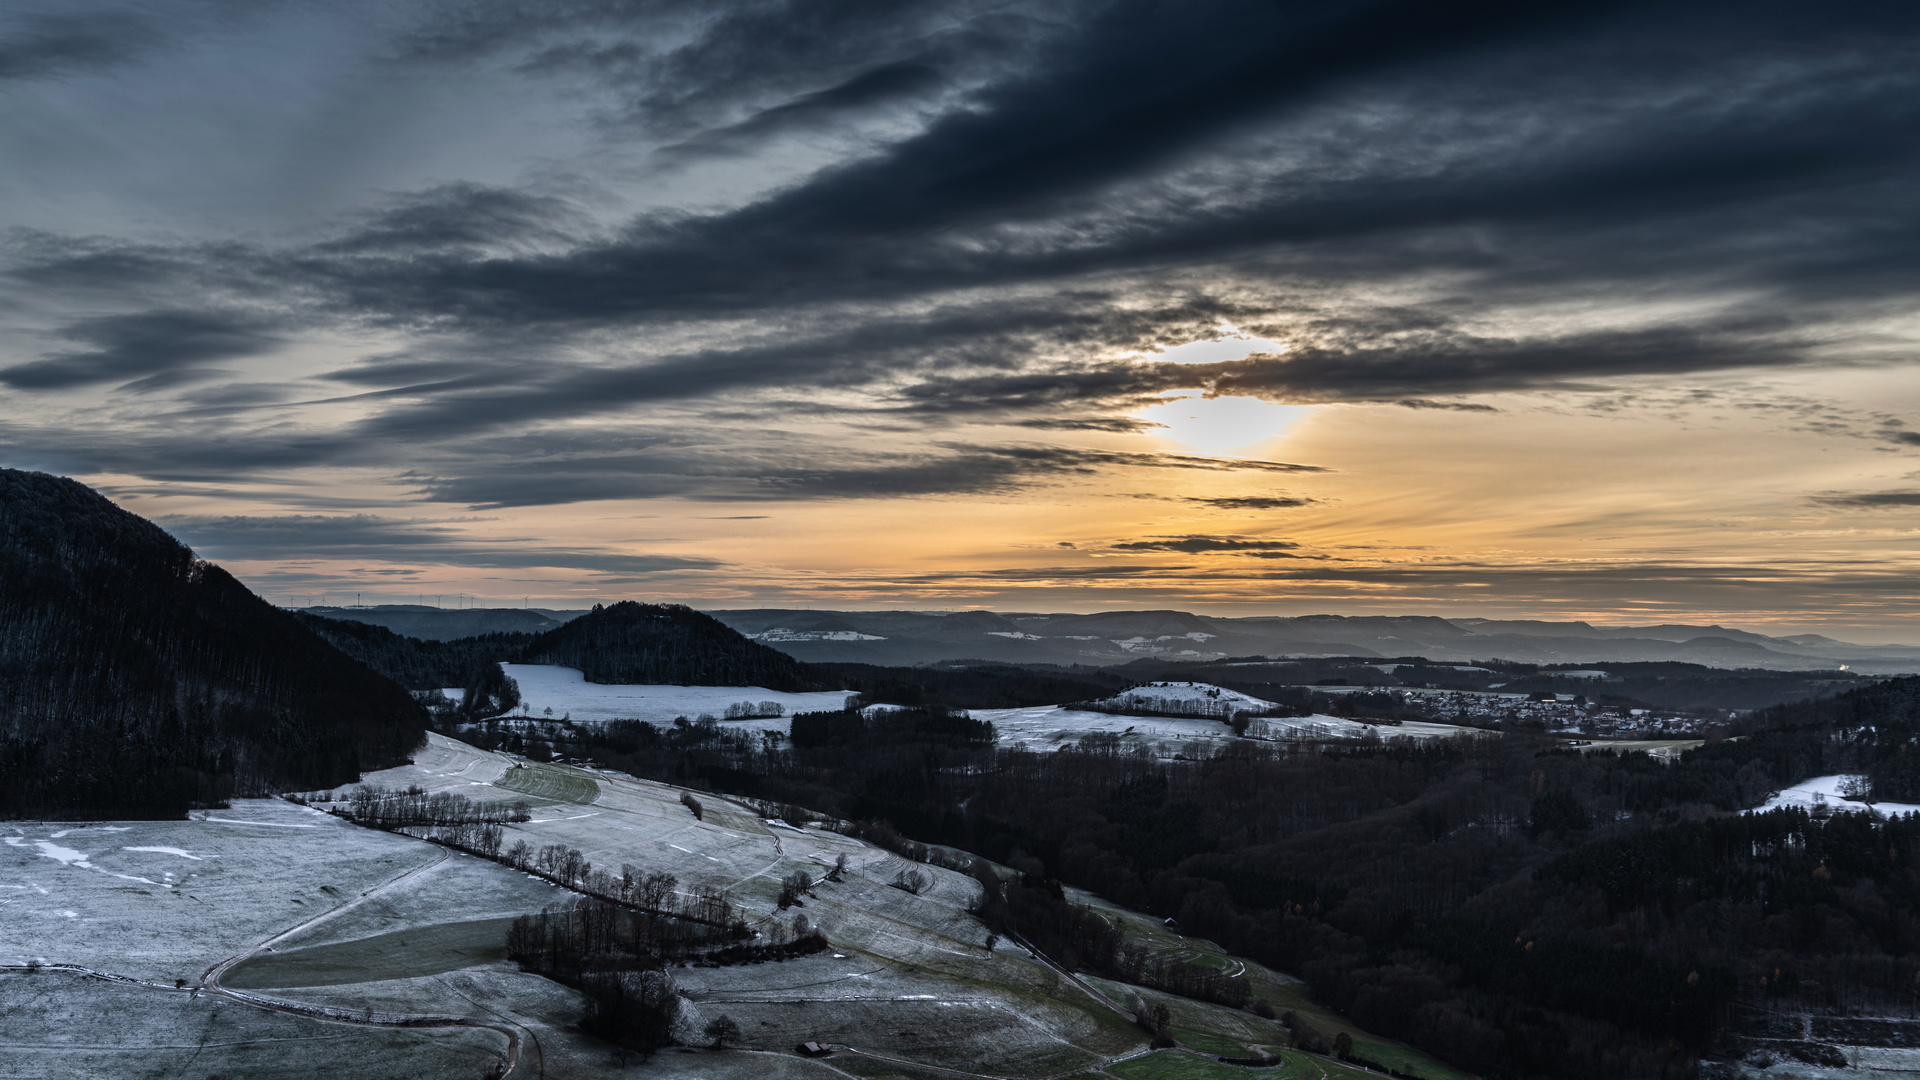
(165, 851)
(781, 633)
(1830, 792)
(568, 693)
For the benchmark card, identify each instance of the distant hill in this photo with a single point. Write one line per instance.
(447, 624)
(666, 643)
(1106, 638)
(414, 663)
(137, 681)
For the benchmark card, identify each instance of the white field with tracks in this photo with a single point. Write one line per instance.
(273, 940)
(1044, 727)
(263, 939)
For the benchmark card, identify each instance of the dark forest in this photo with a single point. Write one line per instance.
(137, 681)
(1516, 907)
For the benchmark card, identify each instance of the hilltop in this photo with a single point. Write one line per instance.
(141, 681)
(665, 643)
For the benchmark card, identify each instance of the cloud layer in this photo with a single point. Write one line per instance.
(481, 255)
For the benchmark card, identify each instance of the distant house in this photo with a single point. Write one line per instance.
(812, 1049)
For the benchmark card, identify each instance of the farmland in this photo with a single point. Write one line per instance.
(255, 934)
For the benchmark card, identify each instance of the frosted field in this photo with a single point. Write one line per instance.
(1825, 790)
(351, 932)
(565, 690)
(1047, 727)
(323, 915)
(58, 1025)
(913, 979)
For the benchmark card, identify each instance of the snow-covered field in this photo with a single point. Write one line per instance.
(1045, 727)
(1827, 791)
(566, 691)
(1202, 699)
(366, 923)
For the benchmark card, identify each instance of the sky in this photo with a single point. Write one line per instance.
(1590, 310)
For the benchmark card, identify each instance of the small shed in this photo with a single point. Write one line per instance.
(811, 1049)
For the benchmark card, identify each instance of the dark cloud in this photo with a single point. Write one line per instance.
(1457, 406)
(1908, 438)
(459, 216)
(1870, 500)
(1121, 425)
(39, 46)
(1212, 545)
(1251, 502)
(362, 536)
(156, 348)
(1409, 196)
(1524, 145)
(680, 466)
(884, 84)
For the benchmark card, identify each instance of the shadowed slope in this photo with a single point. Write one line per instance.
(137, 681)
(666, 643)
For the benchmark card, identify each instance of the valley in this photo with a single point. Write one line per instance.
(255, 932)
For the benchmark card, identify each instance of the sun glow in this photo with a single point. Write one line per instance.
(1222, 424)
(1233, 346)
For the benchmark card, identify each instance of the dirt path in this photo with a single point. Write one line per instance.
(211, 976)
(211, 979)
(294, 1008)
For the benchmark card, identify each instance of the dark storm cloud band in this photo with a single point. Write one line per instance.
(361, 536)
(1051, 209)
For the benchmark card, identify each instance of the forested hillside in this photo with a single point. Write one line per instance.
(1514, 906)
(666, 643)
(410, 661)
(137, 681)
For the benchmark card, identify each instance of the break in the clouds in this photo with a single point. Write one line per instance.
(591, 264)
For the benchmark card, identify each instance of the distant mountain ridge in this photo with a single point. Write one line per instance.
(1105, 638)
(1100, 639)
(137, 681)
(446, 624)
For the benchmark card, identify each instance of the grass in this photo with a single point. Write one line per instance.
(1207, 1042)
(1405, 1059)
(1215, 1029)
(402, 954)
(1180, 1065)
(554, 782)
(867, 1067)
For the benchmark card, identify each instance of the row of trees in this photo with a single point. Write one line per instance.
(1406, 881)
(384, 808)
(618, 957)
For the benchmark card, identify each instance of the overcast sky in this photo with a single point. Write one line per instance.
(1582, 310)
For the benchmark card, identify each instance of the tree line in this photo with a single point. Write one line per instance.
(137, 681)
(1470, 896)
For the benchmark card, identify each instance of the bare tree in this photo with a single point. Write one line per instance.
(720, 1029)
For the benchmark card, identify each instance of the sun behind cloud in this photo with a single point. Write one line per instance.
(1220, 425)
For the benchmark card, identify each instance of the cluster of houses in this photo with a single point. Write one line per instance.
(1555, 712)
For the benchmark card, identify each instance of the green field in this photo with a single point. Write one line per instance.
(1207, 1042)
(556, 782)
(1180, 1065)
(403, 954)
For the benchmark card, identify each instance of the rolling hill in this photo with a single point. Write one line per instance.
(137, 681)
